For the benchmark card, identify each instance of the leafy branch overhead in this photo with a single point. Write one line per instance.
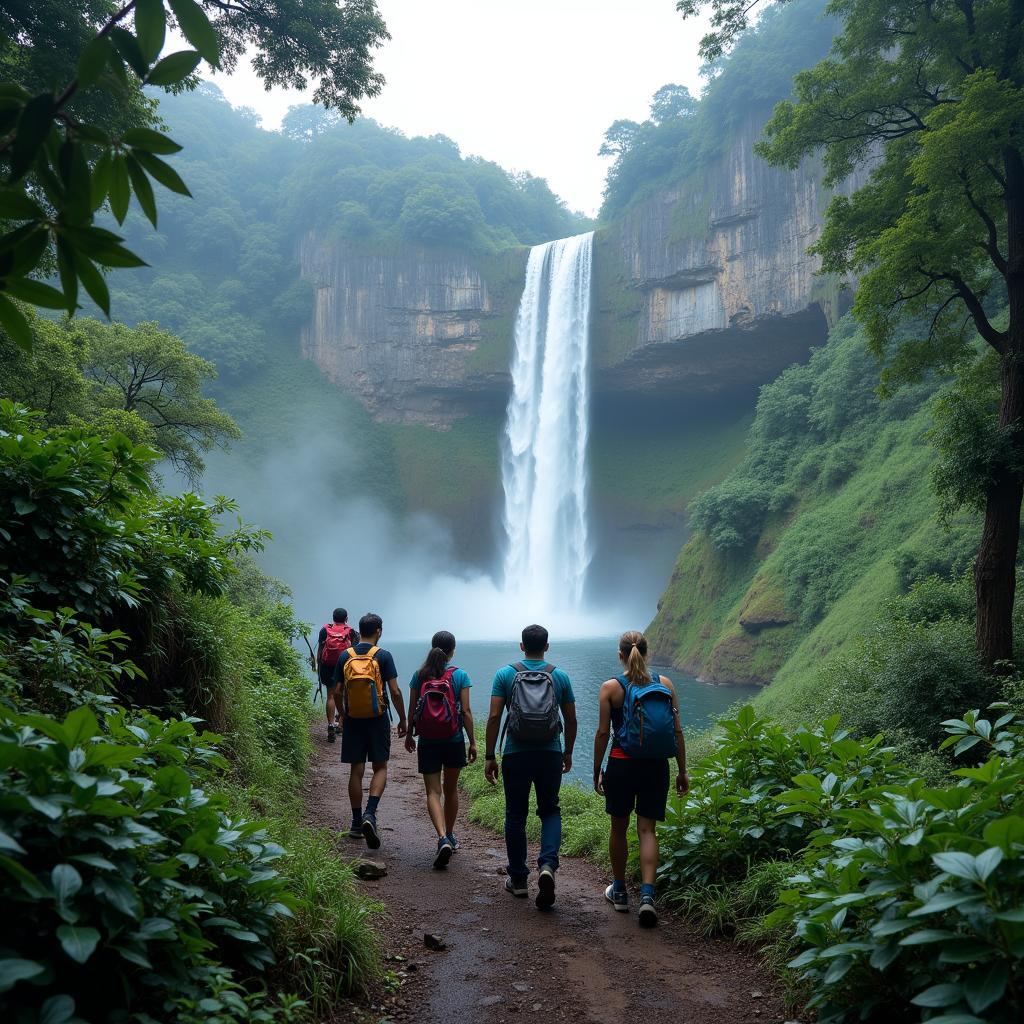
(59, 166)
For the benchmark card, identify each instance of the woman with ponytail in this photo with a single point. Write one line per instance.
(440, 715)
(639, 711)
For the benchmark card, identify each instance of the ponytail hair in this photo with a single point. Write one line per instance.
(633, 648)
(442, 647)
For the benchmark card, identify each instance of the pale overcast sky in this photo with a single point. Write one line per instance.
(530, 84)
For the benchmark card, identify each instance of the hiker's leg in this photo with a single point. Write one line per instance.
(646, 829)
(547, 778)
(432, 783)
(330, 705)
(451, 798)
(618, 847)
(515, 779)
(379, 780)
(355, 785)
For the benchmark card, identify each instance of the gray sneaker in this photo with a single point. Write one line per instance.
(517, 889)
(444, 853)
(618, 898)
(648, 915)
(545, 888)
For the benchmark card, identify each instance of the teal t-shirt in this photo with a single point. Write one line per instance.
(460, 682)
(503, 688)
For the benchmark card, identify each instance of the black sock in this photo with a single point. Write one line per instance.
(371, 804)
(357, 815)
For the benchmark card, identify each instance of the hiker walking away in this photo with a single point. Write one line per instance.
(440, 716)
(368, 684)
(538, 698)
(336, 637)
(640, 711)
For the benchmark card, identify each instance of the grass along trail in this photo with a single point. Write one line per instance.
(503, 959)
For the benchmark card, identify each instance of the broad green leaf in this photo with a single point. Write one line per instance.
(15, 205)
(150, 141)
(80, 725)
(150, 27)
(196, 28)
(943, 901)
(66, 882)
(174, 67)
(14, 970)
(57, 1010)
(128, 46)
(985, 985)
(94, 284)
(34, 125)
(119, 894)
(945, 994)
(79, 943)
(93, 60)
(68, 274)
(1005, 832)
(987, 862)
(162, 172)
(34, 292)
(15, 324)
(120, 189)
(143, 189)
(925, 936)
(101, 179)
(957, 863)
(7, 843)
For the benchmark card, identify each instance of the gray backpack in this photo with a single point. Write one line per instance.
(533, 707)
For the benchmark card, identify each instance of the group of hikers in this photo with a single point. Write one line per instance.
(638, 713)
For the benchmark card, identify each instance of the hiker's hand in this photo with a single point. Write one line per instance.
(401, 728)
(566, 764)
(682, 784)
(491, 771)
(471, 756)
(410, 744)
(599, 783)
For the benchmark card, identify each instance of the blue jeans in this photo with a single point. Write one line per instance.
(541, 769)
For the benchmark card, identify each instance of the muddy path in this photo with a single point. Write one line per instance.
(503, 959)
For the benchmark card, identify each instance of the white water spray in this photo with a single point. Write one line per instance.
(544, 469)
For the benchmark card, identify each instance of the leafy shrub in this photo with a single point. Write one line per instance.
(912, 904)
(126, 884)
(732, 513)
(761, 792)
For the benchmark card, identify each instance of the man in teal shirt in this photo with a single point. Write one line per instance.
(525, 763)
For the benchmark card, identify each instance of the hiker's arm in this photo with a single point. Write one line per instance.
(569, 717)
(491, 742)
(682, 779)
(604, 731)
(399, 702)
(467, 724)
(414, 697)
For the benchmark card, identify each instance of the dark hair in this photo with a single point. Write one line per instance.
(340, 615)
(633, 648)
(442, 647)
(535, 639)
(370, 623)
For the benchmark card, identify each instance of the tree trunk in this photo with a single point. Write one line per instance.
(995, 571)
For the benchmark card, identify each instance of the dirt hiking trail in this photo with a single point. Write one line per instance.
(504, 960)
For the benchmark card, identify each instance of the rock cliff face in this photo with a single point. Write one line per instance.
(708, 286)
(419, 337)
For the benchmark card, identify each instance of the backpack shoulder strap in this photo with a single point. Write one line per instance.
(372, 652)
(547, 667)
(520, 667)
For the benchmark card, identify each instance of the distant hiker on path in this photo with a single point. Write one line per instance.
(440, 715)
(366, 676)
(640, 711)
(336, 637)
(533, 692)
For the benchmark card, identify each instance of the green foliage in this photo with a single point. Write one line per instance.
(751, 799)
(684, 136)
(912, 902)
(126, 882)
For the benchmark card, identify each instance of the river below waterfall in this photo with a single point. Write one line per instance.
(589, 663)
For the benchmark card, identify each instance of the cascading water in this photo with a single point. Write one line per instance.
(544, 471)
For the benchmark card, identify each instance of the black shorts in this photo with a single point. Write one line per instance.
(639, 784)
(432, 757)
(366, 739)
(327, 678)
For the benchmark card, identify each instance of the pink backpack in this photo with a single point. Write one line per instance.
(437, 710)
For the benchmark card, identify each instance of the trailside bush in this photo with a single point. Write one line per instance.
(126, 884)
(761, 792)
(912, 903)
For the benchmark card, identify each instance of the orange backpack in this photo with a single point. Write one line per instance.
(364, 685)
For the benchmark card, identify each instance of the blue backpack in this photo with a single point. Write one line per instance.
(648, 727)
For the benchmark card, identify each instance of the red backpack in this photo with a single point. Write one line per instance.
(338, 640)
(437, 710)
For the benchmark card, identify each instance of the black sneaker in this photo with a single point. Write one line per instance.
(370, 831)
(453, 840)
(331, 730)
(444, 853)
(545, 889)
(618, 898)
(648, 915)
(355, 830)
(517, 889)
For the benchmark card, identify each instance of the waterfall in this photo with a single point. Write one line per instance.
(543, 470)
